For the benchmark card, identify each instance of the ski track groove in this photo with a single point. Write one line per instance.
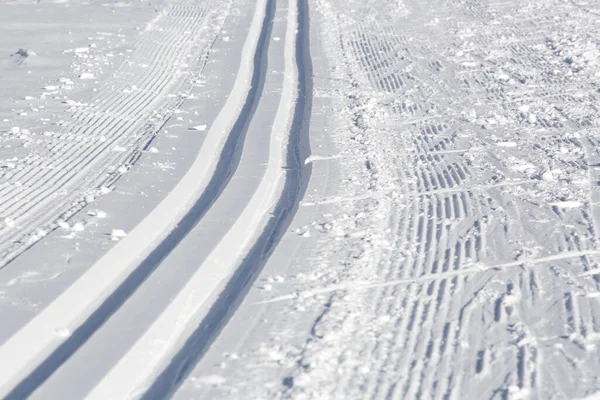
(119, 122)
(289, 183)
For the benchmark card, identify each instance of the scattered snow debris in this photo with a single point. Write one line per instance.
(105, 190)
(15, 130)
(567, 204)
(78, 227)
(277, 38)
(9, 222)
(117, 234)
(153, 150)
(226, 38)
(51, 88)
(89, 198)
(119, 149)
(122, 169)
(199, 128)
(86, 75)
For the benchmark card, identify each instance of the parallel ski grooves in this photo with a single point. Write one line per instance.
(296, 182)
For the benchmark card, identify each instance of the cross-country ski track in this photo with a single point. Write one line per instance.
(299, 199)
(260, 191)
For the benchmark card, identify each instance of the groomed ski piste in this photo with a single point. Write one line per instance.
(299, 199)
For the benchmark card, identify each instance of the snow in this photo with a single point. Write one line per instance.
(431, 231)
(200, 128)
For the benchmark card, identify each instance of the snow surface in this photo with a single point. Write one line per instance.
(306, 199)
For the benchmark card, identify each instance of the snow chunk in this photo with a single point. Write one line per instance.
(117, 234)
(567, 204)
(62, 332)
(506, 144)
(86, 75)
(97, 213)
(547, 176)
(63, 224)
(209, 380)
(201, 128)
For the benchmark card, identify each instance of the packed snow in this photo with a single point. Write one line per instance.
(300, 199)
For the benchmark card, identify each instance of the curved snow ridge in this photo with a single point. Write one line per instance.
(21, 354)
(132, 376)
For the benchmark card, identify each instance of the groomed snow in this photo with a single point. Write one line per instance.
(303, 199)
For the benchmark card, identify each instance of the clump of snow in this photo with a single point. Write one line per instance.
(199, 128)
(86, 76)
(506, 144)
(547, 176)
(62, 332)
(63, 224)
(97, 213)
(567, 204)
(117, 234)
(208, 380)
(267, 287)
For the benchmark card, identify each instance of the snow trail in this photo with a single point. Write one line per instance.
(80, 301)
(131, 376)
